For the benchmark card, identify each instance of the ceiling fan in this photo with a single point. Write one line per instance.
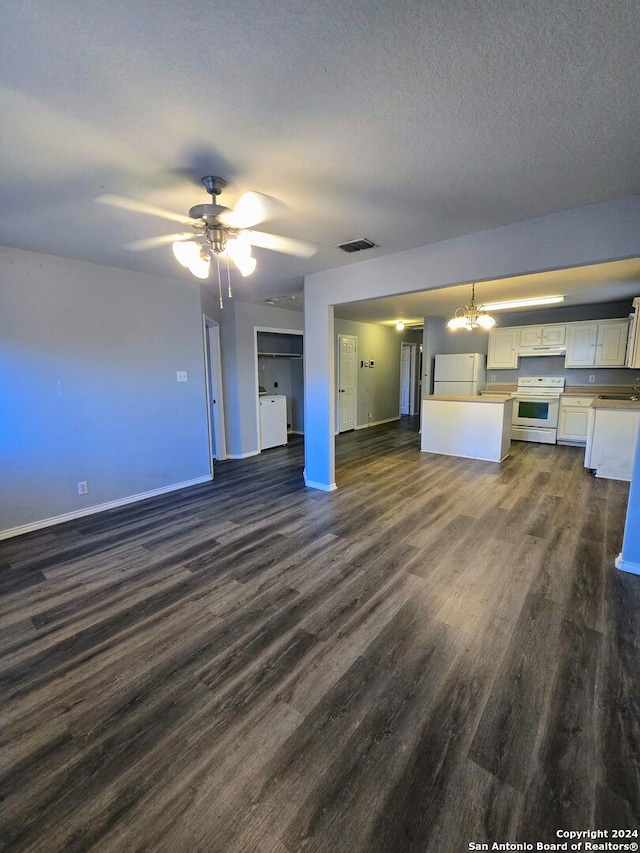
(217, 231)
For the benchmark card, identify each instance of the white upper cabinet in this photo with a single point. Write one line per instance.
(545, 336)
(581, 345)
(597, 344)
(553, 335)
(530, 336)
(503, 348)
(633, 344)
(611, 349)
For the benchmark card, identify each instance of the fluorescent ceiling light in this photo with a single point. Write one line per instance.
(523, 303)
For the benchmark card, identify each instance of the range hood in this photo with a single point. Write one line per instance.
(554, 349)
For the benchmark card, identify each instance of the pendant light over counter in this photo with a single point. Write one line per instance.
(471, 316)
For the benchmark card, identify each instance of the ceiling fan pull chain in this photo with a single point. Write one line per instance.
(219, 281)
(229, 277)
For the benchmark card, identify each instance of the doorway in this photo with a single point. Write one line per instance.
(346, 406)
(279, 371)
(407, 379)
(213, 388)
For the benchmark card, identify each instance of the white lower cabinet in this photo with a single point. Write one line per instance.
(573, 420)
(611, 442)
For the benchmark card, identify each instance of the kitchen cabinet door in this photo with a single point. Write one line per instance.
(581, 344)
(530, 336)
(553, 335)
(573, 420)
(611, 349)
(503, 348)
(546, 336)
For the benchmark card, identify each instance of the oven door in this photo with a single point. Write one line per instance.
(541, 412)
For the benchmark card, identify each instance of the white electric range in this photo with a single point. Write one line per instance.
(536, 408)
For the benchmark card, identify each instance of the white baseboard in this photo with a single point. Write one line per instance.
(81, 513)
(243, 455)
(627, 565)
(323, 487)
(377, 423)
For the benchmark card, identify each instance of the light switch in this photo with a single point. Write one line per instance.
(181, 375)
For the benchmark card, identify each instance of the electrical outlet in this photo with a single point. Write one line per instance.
(181, 375)
(592, 377)
(83, 488)
(493, 377)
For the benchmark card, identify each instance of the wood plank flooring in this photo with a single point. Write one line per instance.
(441, 652)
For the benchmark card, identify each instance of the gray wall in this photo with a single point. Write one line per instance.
(88, 361)
(433, 342)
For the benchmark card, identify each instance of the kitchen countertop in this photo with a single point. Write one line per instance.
(491, 397)
(571, 390)
(615, 404)
(595, 390)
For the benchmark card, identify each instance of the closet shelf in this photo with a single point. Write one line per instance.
(279, 355)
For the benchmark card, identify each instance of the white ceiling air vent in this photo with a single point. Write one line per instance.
(357, 245)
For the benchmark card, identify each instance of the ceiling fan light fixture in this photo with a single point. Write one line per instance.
(185, 252)
(238, 248)
(245, 265)
(200, 266)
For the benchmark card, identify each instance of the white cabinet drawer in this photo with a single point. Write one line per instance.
(575, 402)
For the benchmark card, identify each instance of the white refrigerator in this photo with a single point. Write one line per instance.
(462, 374)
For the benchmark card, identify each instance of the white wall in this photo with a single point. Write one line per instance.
(88, 361)
(593, 234)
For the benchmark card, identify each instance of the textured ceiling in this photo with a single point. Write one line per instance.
(407, 122)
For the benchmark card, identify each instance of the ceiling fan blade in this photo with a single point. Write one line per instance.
(251, 209)
(288, 245)
(152, 242)
(125, 203)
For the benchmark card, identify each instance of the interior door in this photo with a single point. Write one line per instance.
(215, 408)
(406, 379)
(347, 382)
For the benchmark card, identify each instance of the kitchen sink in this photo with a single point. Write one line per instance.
(618, 397)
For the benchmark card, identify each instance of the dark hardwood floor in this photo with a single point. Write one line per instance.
(441, 652)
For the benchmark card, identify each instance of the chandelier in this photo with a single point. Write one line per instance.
(471, 316)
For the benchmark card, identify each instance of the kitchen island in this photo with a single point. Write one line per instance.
(471, 427)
